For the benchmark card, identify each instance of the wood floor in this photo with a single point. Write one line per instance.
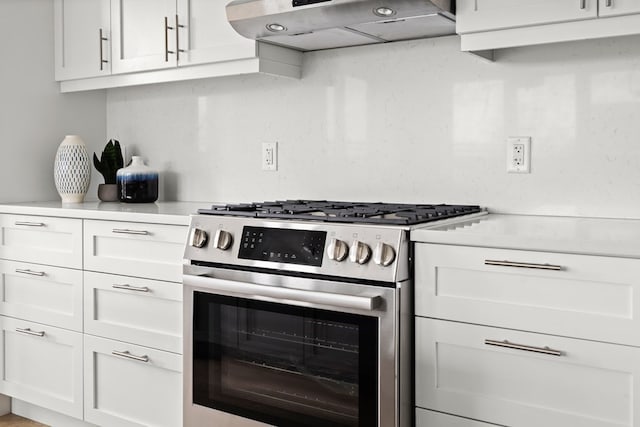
(11, 420)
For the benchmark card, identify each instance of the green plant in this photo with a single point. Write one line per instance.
(110, 161)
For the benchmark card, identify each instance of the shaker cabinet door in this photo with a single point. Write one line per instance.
(42, 365)
(205, 35)
(82, 38)
(144, 35)
(131, 386)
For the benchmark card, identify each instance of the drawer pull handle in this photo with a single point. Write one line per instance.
(30, 272)
(128, 355)
(131, 288)
(583, 4)
(126, 231)
(609, 3)
(30, 224)
(523, 265)
(507, 344)
(28, 331)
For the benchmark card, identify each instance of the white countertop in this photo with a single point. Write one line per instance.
(593, 236)
(175, 213)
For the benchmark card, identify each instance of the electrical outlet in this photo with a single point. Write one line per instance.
(519, 154)
(270, 156)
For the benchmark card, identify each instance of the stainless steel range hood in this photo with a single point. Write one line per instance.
(325, 24)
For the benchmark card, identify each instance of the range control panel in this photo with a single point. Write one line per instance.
(362, 252)
(288, 246)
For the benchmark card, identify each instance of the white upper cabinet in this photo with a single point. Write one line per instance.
(205, 36)
(618, 7)
(155, 41)
(144, 35)
(152, 34)
(82, 38)
(495, 24)
(479, 15)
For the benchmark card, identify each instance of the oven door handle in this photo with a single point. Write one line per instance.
(283, 295)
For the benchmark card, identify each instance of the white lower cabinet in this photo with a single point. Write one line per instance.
(128, 385)
(41, 293)
(141, 311)
(42, 364)
(523, 379)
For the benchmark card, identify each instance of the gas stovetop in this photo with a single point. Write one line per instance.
(343, 212)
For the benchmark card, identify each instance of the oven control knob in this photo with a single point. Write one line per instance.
(337, 250)
(198, 238)
(384, 254)
(222, 240)
(360, 252)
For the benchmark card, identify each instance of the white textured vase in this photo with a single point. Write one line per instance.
(72, 169)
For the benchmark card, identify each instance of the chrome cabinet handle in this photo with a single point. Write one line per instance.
(583, 4)
(29, 224)
(514, 346)
(131, 288)
(127, 231)
(28, 331)
(178, 50)
(166, 39)
(128, 355)
(102, 39)
(609, 3)
(30, 272)
(523, 265)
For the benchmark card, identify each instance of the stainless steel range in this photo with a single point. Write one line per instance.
(300, 313)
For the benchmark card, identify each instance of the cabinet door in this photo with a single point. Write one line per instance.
(42, 365)
(135, 249)
(590, 297)
(145, 312)
(143, 33)
(584, 384)
(618, 7)
(82, 38)
(482, 15)
(41, 293)
(131, 386)
(206, 36)
(40, 239)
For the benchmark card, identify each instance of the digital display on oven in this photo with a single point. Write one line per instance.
(283, 245)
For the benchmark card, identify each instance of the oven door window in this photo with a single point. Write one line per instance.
(285, 365)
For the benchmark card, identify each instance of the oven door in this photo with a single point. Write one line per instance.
(288, 351)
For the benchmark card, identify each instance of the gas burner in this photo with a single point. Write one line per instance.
(343, 212)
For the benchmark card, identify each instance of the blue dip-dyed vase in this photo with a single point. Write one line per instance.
(137, 183)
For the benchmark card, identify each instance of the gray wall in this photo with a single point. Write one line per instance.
(34, 116)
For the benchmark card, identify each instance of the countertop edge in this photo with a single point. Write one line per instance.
(170, 213)
(572, 235)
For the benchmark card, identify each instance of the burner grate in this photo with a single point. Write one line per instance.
(343, 212)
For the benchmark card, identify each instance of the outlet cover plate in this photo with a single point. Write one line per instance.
(519, 154)
(270, 156)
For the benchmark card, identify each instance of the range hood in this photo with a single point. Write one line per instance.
(325, 24)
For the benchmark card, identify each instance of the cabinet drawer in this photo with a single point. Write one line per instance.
(589, 384)
(41, 293)
(144, 389)
(589, 297)
(42, 365)
(426, 418)
(152, 251)
(43, 240)
(145, 312)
